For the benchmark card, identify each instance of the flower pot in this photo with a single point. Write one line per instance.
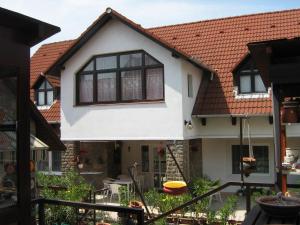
(135, 204)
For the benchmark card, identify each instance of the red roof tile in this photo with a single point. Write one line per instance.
(220, 44)
(53, 113)
(42, 59)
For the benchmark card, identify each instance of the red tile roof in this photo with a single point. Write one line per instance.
(220, 44)
(53, 113)
(42, 59)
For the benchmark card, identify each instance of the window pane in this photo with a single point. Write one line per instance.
(259, 85)
(48, 85)
(56, 161)
(89, 67)
(42, 86)
(41, 98)
(106, 87)
(149, 61)
(42, 160)
(49, 97)
(190, 85)
(155, 84)
(236, 157)
(131, 60)
(261, 154)
(8, 99)
(86, 88)
(145, 158)
(8, 175)
(131, 82)
(109, 62)
(245, 84)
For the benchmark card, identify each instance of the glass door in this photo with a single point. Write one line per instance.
(8, 138)
(159, 167)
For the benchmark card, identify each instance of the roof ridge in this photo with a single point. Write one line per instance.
(57, 42)
(225, 18)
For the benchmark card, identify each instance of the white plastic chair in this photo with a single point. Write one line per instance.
(107, 186)
(114, 190)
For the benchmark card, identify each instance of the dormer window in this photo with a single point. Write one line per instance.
(121, 77)
(248, 78)
(44, 94)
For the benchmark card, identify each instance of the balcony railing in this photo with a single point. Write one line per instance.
(125, 215)
(86, 213)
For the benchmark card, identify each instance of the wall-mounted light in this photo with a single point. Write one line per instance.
(188, 124)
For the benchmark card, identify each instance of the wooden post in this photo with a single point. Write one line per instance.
(276, 124)
(241, 152)
(41, 208)
(282, 155)
(248, 198)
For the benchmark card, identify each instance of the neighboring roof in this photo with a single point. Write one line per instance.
(44, 131)
(31, 31)
(112, 14)
(221, 43)
(53, 80)
(45, 56)
(52, 115)
(42, 59)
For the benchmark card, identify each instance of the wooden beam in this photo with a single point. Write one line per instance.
(276, 126)
(282, 155)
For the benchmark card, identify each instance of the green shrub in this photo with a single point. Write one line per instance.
(227, 209)
(70, 187)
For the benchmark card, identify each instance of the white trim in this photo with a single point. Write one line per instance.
(230, 115)
(250, 95)
(125, 139)
(43, 107)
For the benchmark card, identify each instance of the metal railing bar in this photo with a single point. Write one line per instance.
(198, 198)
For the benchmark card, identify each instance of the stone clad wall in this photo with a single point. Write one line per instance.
(180, 151)
(68, 161)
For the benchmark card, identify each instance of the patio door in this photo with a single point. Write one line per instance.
(153, 165)
(159, 167)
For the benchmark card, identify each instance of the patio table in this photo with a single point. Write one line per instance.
(258, 217)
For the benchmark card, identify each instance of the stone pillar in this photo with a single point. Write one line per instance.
(180, 151)
(68, 161)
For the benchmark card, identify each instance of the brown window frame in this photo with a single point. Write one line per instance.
(248, 69)
(45, 90)
(118, 70)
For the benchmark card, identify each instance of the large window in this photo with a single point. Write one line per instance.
(249, 79)
(46, 161)
(44, 94)
(261, 154)
(122, 77)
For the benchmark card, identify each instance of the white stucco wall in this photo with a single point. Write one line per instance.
(221, 127)
(134, 121)
(217, 160)
(188, 102)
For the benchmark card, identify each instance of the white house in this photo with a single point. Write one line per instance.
(127, 91)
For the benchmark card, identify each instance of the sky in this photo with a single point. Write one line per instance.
(74, 16)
